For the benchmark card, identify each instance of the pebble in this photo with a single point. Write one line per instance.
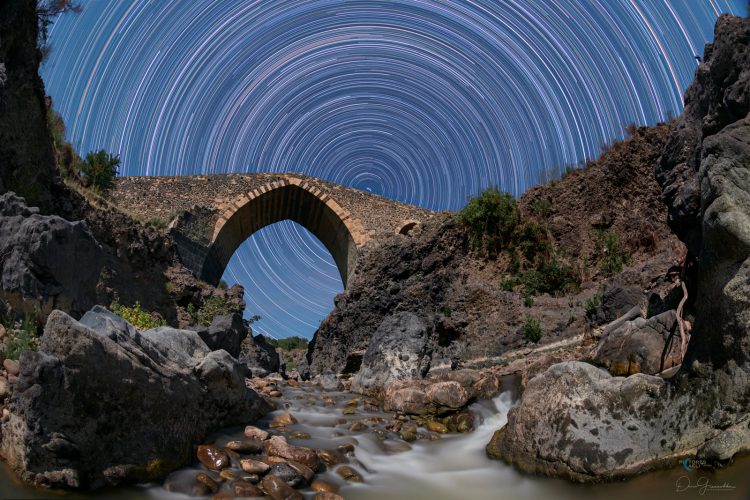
(3, 388)
(345, 448)
(2, 332)
(408, 433)
(213, 458)
(208, 482)
(357, 426)
(323, 486)
(277, 489)
(222, 495)
(11, 367)
(252, 432)
(251, 446)
(275, 394)
(282, 420)
(327, 495)
(301, 435)
(436, 426)
(244, 489)
(349, 474)
(330, 457)
(254, 466)
(289, 474)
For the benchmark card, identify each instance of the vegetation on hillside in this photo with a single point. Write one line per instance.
(288, 343)
(98, 170)
(137, 316)
(495, 226)
(21, 339)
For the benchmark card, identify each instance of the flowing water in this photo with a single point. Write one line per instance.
(454, 467)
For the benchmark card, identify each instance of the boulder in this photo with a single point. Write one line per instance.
(112, 406)
(46, 262)
(640, 346)
(259, 356)
(399, 349)
(226, 332)
(579, 422)
(617, 300)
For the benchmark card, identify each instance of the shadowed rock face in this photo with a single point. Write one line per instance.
(27, 163)
(102, 404)
(46, 262)
(578, 421)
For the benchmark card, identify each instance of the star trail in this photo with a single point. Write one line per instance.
(423, 101)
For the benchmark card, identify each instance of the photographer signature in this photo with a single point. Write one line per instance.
(702, 485)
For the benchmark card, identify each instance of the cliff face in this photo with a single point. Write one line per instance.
(457, 294)
(705, 173)
(27, 164)
(643, 422)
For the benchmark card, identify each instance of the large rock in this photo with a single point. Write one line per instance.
(640, 346)
(399, 349)
(108, 406)
(226, 332)
(579, 422)
(46, 262)
(617, 300)
(259, 357)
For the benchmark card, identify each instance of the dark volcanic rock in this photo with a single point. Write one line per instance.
(259, 356)
(578, 421)
(719, 96)
(399, 349)
(46, 262)
(397, 273)
(226, 332)
(27, 163)
(640, 346)
(97, 408)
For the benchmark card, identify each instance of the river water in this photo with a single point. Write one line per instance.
(454, 467)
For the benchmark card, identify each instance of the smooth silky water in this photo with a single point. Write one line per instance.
(454, 467)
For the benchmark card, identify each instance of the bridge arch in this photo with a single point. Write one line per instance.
(288, 199)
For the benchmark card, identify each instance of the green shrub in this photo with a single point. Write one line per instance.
(223, 285)
(491, 217)
(550, 277)
(614, 258)
(592, 305)
(99, 170)
(213, 306)
(137, 316)
(528, 300)
(23, 339)
(532, 241)
(542, 207)
(288, 343)
(532, 329)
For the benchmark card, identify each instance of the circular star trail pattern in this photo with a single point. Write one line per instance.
(422, 101)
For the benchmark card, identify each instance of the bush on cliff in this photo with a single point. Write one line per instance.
(99, 170)
(137, 316)
(213, 306)
(288, 343)
(21, 339)
(491, 218)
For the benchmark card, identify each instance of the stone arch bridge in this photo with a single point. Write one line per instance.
(209, 216)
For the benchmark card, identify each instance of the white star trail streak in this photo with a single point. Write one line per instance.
(425, 101)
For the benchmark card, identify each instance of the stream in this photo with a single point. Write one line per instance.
(452, 467)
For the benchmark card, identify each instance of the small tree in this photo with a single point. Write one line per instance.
(47, 11)
(491, 218)
(99, 169)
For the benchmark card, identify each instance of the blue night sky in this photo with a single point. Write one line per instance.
(423, 101)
